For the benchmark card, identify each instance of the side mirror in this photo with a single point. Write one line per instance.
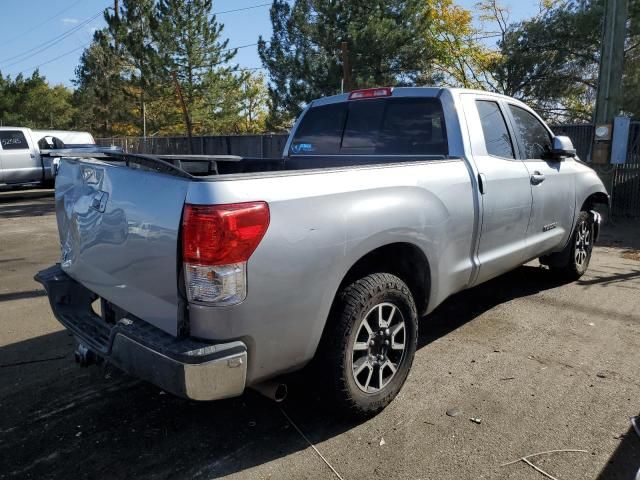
(562, 147)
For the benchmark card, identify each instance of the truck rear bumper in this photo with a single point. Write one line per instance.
(183, 366)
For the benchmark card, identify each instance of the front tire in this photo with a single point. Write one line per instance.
(573, 261)
(371, 342)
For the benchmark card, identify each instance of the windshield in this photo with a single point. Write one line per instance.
(388, 126)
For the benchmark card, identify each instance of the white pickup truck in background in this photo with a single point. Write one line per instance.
(25, 154)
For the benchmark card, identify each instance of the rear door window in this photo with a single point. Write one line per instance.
(494, 129)
(13, 140)
(391, 126)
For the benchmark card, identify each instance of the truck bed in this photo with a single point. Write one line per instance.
(210, 166)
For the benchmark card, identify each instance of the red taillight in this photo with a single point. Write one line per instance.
(222, 234)
(370, 93)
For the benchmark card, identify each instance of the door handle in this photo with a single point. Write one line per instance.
(537, 178)
(482, 183)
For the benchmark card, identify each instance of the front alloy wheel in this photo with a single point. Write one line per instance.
(582, 250)
(573, 261)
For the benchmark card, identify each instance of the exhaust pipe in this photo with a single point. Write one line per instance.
(276, 391)
(85, 356)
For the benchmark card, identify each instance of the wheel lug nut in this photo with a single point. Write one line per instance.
(387, 332)
(371, 343)
(386, 343)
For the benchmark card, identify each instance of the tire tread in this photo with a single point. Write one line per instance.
(350, 303)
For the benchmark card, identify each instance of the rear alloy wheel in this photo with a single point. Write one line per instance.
(378, 348)
(370, 342)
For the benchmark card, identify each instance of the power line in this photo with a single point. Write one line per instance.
(53, 41)
(241, 9)
(54, 59)
(87, 44)
(43, 22)
(49, 43)
(241, 46)
(250, 69)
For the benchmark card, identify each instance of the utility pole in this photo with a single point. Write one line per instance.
(185, 112)
(608, 100)
(346, 67)
(116, 14)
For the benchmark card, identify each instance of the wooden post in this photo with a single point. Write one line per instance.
(185, 112)
(346, 67)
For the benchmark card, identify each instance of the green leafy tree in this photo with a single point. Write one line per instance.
(459, 58)
(32, 102)
(254, 99)
(551, 60)
(236, 104)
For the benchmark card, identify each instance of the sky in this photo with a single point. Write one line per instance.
(52, 34)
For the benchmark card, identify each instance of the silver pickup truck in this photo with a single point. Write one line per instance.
(207, 275)
(31, 156)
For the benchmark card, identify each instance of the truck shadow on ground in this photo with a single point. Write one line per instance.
(26, 210)
(30, 203)
(12, 194)
(625, 461)
(60, 421)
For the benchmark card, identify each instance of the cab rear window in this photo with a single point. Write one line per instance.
(386, 126)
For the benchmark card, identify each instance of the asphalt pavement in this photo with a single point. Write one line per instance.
(539, 364)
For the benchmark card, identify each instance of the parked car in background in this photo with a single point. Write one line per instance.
(25, 153)
(386, 202)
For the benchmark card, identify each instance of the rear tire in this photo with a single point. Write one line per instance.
(573, 261)
(370, 343)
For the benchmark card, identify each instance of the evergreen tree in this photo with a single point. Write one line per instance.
(101, 91)
(190, 47)
(132, 35)
(385, 39)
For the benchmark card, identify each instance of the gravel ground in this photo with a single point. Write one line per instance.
(543, 365)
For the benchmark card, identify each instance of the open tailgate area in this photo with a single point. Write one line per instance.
(119, 234)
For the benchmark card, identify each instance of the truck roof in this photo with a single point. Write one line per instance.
(412, 92)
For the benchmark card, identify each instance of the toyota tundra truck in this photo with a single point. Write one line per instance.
(208, 275)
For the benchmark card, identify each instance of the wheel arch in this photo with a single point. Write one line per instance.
(596, 198)
(402, 259)
(405, 260)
